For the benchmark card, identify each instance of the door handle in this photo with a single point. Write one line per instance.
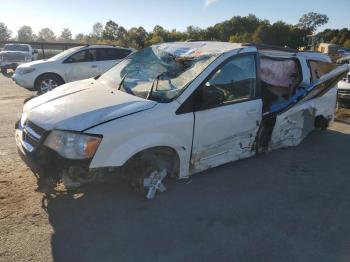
(252, 111)
(94, 66)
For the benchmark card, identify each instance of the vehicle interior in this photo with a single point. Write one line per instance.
(279, 79)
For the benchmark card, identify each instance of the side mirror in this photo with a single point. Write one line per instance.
(212, 95)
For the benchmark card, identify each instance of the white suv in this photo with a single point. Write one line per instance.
(73, 64)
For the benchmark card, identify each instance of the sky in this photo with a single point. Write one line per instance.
(80, 15)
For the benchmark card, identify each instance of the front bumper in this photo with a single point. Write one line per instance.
(26, 82)
(40, 159)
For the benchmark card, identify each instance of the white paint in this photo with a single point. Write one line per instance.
(225, 134)
(80, 105)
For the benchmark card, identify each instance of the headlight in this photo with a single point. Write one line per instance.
(73, 145)
(25, 70)
(23, 119)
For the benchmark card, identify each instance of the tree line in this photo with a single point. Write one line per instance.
(237, 29)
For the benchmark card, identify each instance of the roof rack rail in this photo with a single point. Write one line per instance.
(272, 47)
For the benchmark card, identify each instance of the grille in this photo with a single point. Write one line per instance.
(13, 57)
(344, 91)
(32, 135)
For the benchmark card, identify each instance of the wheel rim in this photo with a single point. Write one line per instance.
(154, 183)
(48, 85)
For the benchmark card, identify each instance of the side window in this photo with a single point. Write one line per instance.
(319, 68)
(235, 81)
(88, 55)
(112, 54)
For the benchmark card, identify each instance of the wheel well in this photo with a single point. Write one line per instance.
(163, 153)
(44, 74)
(321, 122)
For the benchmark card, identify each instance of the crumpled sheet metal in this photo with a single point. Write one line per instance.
(296, 123)
(229, 149)
(291, 129)
(195, 49)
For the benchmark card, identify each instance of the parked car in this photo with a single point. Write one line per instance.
(13, 55)
(71, 65)
(344, 92)
(344, 86)
(176, 109)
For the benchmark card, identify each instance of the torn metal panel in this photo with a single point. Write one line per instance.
(292, 128)
(314, 90)
(295, 124)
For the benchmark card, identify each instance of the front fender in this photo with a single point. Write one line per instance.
(110, 156)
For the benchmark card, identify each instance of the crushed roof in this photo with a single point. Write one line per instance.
(193, 49)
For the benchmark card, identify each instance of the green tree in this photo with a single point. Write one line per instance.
(137, 37)
(110, 32)
(5, 33)
(80, 38)
(66, 35)
(312, 21)
(46, 34)
(241, 38)
(194, 33)
(25, 33)
(347, 43)
(97, 30)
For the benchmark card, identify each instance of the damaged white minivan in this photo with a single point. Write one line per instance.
(175, 109)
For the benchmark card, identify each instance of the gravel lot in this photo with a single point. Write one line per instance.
(288, 205)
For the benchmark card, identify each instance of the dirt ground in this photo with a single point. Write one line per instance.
(288, 205)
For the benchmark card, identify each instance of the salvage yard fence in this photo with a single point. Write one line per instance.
(45, 49)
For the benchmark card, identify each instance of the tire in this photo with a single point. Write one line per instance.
(321, 123)
(47, 83)
(144, 168)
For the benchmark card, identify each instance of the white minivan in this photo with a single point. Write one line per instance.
(74, 64)
(176, 109)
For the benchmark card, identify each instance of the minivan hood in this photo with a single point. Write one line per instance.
(82, 104)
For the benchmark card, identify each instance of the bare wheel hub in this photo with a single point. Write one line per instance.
(154, 183)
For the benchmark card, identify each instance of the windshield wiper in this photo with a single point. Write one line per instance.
(154, 81)
(121, 82)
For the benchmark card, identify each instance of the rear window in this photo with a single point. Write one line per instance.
(319, 68)
(112, 54)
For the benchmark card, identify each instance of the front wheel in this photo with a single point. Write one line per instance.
(146, 175)
(47, 83)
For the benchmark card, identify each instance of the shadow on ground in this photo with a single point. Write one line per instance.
(288, 205)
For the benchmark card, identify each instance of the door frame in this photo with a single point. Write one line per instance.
(190, 104)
